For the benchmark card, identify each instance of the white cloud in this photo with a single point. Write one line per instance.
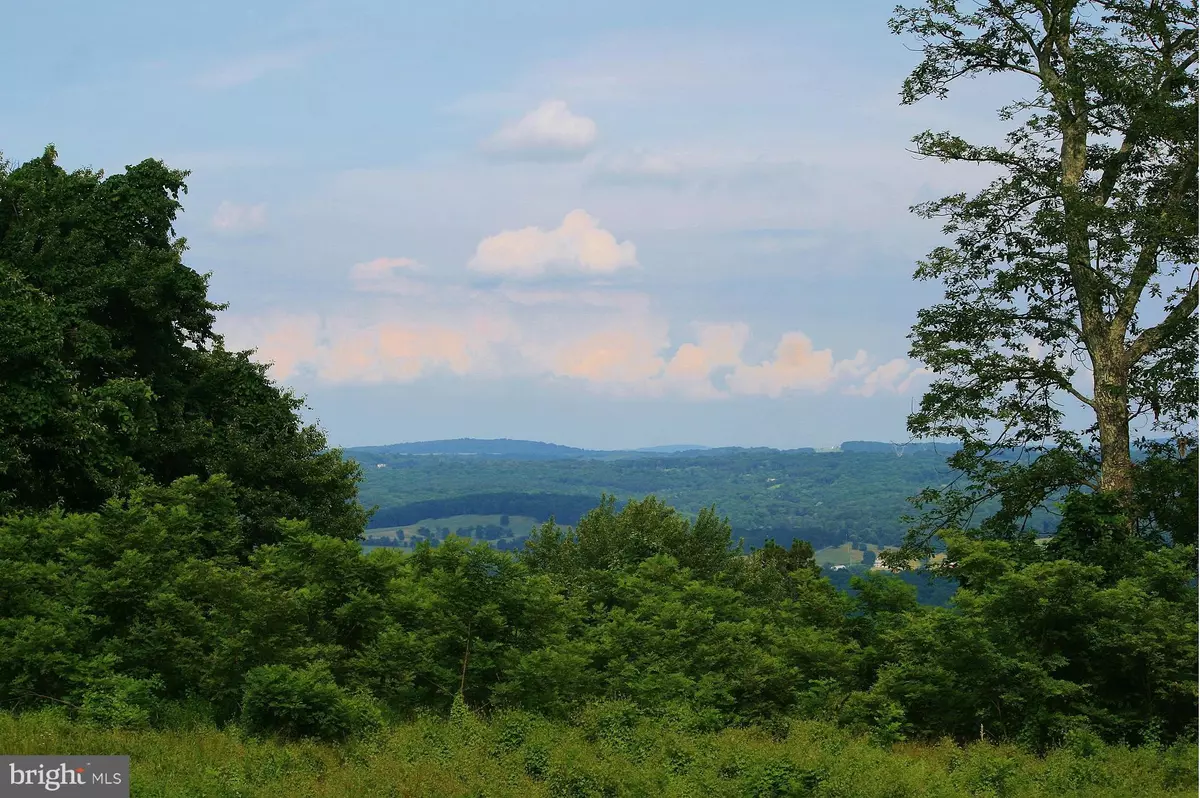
(607, 340)
(548, 131)
(692, 367)
(619, 353)
(616, 357)
(579, 244)
(885, 377)
(342, 349)
(796, 365)
(234, 219)
(895, 376)
(916, 376)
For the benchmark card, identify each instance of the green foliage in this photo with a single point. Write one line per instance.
(825, 499)
(149, 602)
(1058, 266)
(120, 702)
(306, 702)
(521, 756)
(178, 551)
(1095, 531)
(113, 374)
(1165, 492)
(1033, 649)
(608, 541)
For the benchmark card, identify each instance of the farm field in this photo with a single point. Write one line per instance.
(517, 527)
(844, 555)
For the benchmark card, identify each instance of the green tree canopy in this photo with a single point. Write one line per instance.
(113, 373)
(1081, 255)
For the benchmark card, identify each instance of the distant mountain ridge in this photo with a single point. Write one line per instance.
(515, 449)
(512, 449)
(684, 447)
(493, 447)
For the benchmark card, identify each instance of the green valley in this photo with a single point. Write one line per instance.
(858, 494)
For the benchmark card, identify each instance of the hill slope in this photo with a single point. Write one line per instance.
(479, 447)
(826, 498)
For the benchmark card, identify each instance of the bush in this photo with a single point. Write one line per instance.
(522, 756)
(120, 702)
(881, 718)
(304, 703)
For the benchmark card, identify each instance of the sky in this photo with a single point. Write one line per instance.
(605, 225)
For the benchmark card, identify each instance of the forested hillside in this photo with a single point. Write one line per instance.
(825, 499)
(475, 447)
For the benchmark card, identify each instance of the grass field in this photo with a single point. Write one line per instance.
(515, 755)
(842, 555)
(519, 525)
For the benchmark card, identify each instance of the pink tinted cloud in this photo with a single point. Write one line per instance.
(608, 340)
(549, 129)
(796, 365)
(579, 245)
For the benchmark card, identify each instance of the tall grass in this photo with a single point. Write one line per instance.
(609, 751)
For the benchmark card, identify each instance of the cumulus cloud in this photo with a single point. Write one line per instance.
(579, 245)
(693, 365)
(393, 352)
(616, 357)
(886, 377)
(796, 365)
(606, 340)
(915, 377)
(345, 350)
(231, 218)
(386, 275)
(285, 341)
(895, 376)
(548, 131)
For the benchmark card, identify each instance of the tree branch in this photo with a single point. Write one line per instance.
(1147, 262)
(1069, 388)
(1026, 34)
(1150, 338)
(1115, 163)
(1112, 169)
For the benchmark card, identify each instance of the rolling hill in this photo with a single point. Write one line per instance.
(858, 494)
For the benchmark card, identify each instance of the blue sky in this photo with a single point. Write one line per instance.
(605, 225)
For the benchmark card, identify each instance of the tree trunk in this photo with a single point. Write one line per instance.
(1104, 337)
(1111, 398)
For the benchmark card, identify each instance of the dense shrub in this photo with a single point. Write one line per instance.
(150, 602)
(516, 755)
(304, 703)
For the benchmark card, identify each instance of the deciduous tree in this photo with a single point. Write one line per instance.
(1080, 255)
(111, 372)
